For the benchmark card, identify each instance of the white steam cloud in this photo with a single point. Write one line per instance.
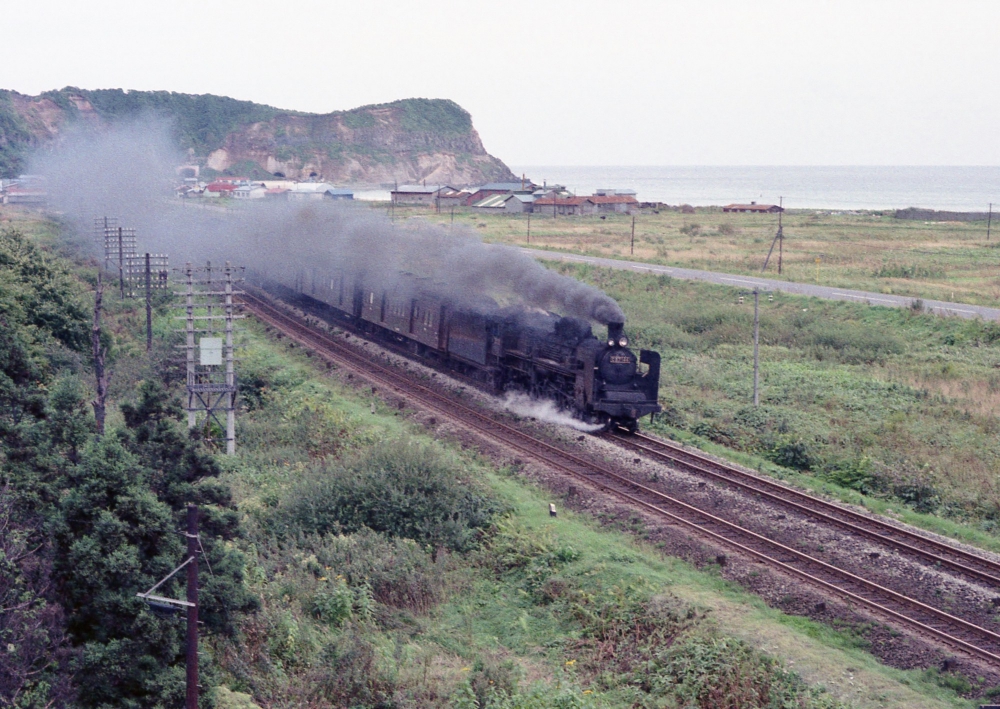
(545, 410)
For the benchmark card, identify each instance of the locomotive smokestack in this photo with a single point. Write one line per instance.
(615, 330)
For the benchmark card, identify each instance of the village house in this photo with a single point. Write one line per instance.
(421, 194)
(618, 203)
(753, 207)
(507, 203)
(447, 200)
(498, 188)
(26, 189)
(219, 189)
(255, 191)
(565, 206)
(304, 191)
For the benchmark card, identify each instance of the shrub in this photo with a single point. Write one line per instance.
(709, 672)
(352, 675)
(397, 572)
(398, 488)
(855, 473)
(334, 602)
(794, 453)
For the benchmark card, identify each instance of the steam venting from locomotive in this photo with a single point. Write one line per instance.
(128, 172)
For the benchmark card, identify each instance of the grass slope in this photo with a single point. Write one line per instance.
(522, 610)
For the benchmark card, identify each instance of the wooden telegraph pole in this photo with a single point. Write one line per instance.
(779, 239)
(756, 347)
(529, 227)
(781, 233)
(192, 609)
(989, 221)
(149, 306)
(631, 248)
(121, 263)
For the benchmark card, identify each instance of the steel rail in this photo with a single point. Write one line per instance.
(812, 506)
(590, 472)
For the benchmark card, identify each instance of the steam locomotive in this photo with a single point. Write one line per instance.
(501, 349)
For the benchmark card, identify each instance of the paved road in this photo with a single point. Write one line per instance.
(937, 307)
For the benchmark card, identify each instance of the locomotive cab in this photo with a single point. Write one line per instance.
(622, 395)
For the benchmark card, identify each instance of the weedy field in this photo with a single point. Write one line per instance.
(869, 251)
(890, 406)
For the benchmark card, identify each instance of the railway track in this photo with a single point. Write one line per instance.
(905, 541)
(918, 617)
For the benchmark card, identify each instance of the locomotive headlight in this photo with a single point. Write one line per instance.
(611, 343)
(623, 342)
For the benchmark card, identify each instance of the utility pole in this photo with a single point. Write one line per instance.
(989, 221)
(149, 306)
(100, 373)
(453, 215)
(631, 248)
(781, 233)
(121, 264)
(230, 375)
(756, 347)
(192, 609)
(778, 239)
(529, 227)
(189, 343)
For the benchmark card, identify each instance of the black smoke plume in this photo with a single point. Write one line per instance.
(128, 172)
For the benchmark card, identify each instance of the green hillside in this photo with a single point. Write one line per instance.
(387, 139)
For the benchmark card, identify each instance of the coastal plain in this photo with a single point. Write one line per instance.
(870, 251)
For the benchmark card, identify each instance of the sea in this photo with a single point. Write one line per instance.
(964, 189)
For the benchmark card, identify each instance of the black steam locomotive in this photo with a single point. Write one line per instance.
(502, 349)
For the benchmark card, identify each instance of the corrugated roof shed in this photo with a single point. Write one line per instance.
(495, 201)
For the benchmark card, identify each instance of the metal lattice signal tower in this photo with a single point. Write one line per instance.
(211, 379)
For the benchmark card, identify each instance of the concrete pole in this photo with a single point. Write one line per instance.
(189, 303)
(192, 611)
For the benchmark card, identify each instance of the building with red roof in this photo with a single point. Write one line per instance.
(220, 189)
(568, 206)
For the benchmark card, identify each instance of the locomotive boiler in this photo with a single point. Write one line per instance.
(502, 349)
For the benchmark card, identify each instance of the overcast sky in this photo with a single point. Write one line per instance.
(567, 83)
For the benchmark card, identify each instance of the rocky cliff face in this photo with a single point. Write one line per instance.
(412, 140)
(405, 141)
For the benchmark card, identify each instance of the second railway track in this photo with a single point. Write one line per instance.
(921, 618)
(931, 551)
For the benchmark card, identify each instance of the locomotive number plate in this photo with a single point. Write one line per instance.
(620, 359)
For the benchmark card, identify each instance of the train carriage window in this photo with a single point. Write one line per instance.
(371, 298)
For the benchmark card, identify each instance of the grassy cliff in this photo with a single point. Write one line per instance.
(403, 141)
